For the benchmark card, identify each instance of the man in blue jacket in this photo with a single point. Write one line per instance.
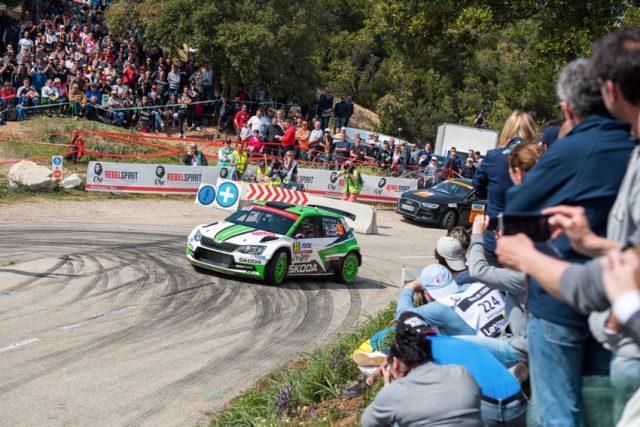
(570, 173)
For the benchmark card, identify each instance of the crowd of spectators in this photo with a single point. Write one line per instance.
(553, 309)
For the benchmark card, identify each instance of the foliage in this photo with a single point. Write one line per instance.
(326, 371)
(417, 63)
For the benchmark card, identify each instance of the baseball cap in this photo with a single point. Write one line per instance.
(451, 250)
(417, 323)
(436, 279)
(342, 128)
(327, 130)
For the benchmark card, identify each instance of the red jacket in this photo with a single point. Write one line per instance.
(289, 137)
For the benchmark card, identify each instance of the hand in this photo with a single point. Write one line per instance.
(480, 224)
(414, 286)
(512, 251)
(569, 220)
(620, 273)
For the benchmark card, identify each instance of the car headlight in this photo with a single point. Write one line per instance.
(431, 205)
(251, 249)
(197, 236)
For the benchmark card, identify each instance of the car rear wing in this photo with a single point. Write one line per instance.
(336, 211)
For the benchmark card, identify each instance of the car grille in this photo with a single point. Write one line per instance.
(404, 202)
(214, 257)
(219, 246)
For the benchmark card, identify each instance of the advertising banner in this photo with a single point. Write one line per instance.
(178, 179)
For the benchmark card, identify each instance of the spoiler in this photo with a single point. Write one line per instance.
(336, 211)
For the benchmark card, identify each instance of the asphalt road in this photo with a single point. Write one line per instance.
(103, 322)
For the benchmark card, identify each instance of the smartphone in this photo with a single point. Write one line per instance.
(534, 226)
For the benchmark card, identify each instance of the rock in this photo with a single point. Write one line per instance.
(27, 175)
(71, 181)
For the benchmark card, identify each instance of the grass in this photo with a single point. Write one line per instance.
(317, 377)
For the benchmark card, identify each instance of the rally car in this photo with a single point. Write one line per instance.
(450, 203)
(271, 241)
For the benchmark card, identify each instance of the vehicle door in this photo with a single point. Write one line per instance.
(307, 242)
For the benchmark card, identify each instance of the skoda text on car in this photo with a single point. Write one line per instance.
(447, 204)
(271, 241)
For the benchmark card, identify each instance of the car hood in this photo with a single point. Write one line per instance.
(430, 196)
(229, 232)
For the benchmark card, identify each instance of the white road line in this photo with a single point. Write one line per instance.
(18, 344)
(96, 317)
(417, 257)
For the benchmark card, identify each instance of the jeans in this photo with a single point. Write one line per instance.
(556, 357)
(324, 122)
(118, 117)
(499, 347)
(625, 380)
(512, 414)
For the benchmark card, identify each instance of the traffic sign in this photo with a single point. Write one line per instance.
(206, 194)
(228, 194)
(56, 167)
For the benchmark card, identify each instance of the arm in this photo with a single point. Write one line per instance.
(498, 278)
(518, 253)
(581, 286)
(381, 412)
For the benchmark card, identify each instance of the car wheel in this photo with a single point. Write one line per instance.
(348, 269)
(449, 220)
(277, 268)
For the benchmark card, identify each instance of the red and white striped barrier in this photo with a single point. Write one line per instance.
(269, 193)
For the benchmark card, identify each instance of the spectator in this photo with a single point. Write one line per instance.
(419, 392)
(238, 162)
(397, 161)
(522, 159)
(492, 176)
(325, 107)
(549, 135)
(385, 156)
(288, 139)
(439, 293)
(290, 168)
(324, 158)
(245, 132)
(352, 182)
(569, 170)
(479, 121)
(453, 163)
(371, 153)
(315, 139)
(76, 97)
(342, 148)
(341, 113)
(194, 157)
(469, 169)
(256, 123)
(302, 137)
(424, 155)
(76, 147)
(327, 140)
(272, 133)
(358, 151)
(254, 145)
(225, 154)
(349, 111)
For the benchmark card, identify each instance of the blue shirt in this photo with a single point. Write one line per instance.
(585, 168)
(435, 313)
(494, 379)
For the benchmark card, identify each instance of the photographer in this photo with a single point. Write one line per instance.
(418, 391)
(352, 181)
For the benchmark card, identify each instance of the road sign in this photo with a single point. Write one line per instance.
(268, 193)
(56, 167)
(228, 194)
(206, 194)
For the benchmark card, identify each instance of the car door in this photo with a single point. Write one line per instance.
(470, 207)
(307, 242)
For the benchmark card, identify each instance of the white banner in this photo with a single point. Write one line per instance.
(178, 179)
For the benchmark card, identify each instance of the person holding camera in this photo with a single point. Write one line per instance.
(352, 181)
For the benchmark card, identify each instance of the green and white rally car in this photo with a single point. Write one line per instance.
(271, 241)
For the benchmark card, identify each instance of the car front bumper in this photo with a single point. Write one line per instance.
(414, 210)
(223, 263)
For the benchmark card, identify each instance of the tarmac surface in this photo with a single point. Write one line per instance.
(104, 322)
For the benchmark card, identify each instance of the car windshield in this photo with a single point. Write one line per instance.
(455, 188)
(264, 218)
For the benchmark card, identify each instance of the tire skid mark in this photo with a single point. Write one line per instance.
(58, 265)
(98, 282)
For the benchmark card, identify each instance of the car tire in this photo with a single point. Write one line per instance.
(348, 269)
(449, 219)
(277, 268)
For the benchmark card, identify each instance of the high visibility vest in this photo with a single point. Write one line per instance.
(241, 162)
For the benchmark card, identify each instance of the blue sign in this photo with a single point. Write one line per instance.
(228, 194)
(206, 195)
(57, 160)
